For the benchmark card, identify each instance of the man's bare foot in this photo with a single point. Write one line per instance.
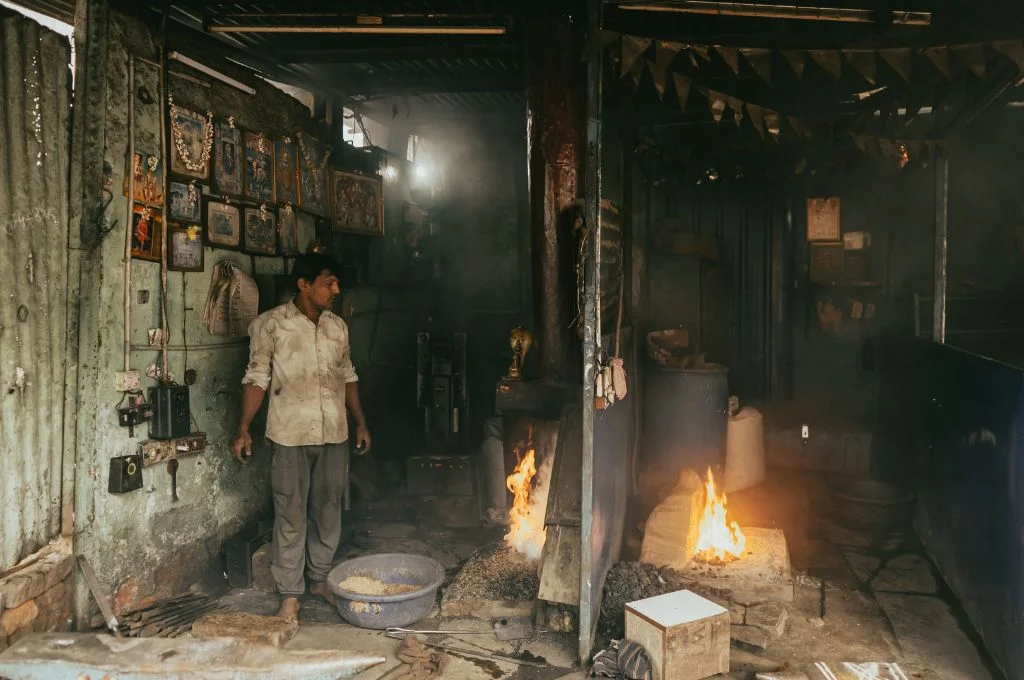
(323, 590)
(289, 610)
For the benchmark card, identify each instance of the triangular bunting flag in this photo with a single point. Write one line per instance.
(862, 142)
(939, 56)
(973, 56)
(760, 59)
(737, 109)
(801, 127)
(598, 41)
(828, 60)
(632, 48)
(682, 90)
(772, 122)
(717, 102)
(1012, 50)
(756, 118)
(664, 53)
(702, 51)
(899, 60)
(637, 72)
(731, 56)
(866, 63)
(796, 59)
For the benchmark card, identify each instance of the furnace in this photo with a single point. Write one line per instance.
(761, 574)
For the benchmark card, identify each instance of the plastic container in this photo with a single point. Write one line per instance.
(384, 611)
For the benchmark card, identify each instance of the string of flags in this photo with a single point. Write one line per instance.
(945, 60)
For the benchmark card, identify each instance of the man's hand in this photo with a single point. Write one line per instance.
(241, 447)
(363, 440)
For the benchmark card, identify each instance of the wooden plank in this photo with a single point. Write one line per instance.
(560, 566)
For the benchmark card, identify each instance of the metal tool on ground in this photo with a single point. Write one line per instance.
(101, 598)
(393, 631)
(172, 617)
(478, 655)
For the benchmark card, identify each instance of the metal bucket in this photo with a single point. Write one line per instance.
(685, 417)
(386, 611)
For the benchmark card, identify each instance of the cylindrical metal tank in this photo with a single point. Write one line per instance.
(685, 417)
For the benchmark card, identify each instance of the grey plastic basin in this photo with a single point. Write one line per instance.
(385, 611)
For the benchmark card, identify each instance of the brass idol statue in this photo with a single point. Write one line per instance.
(521, 341)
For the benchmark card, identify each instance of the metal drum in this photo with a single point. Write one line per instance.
(685, 416)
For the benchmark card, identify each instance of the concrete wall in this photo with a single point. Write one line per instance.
(142, 543)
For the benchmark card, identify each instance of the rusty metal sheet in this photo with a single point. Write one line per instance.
(35, 91)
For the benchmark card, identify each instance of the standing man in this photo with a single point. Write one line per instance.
(300, 352)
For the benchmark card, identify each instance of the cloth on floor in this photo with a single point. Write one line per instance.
(623, 659)
(419, 663)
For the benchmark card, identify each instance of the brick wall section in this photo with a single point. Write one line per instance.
(37, 598)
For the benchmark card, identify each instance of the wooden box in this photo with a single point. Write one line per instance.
(686, 636)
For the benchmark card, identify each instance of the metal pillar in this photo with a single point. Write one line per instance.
(941, 247)
(591, 337)
(555, 139)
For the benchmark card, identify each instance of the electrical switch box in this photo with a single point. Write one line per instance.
(158, 451)
(125, 474)
(172, 416)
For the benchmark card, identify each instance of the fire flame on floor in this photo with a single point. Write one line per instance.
(719, 540)
(526, 533)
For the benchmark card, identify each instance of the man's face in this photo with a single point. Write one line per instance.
(322, 291)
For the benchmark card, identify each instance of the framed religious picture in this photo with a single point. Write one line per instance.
(823, 219)
(357, 204)
(260, 231)
(149, 179)
(227, 160)
(223, 225)
(313, 174)
(191, 143)
(286, 172)
(259, 167)
(184, 248)
(147, 230)
(288, 231)
(184, 202)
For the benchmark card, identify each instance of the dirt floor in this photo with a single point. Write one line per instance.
(857, 599)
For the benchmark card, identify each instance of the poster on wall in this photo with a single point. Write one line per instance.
(286, 172)
(288, 231)
(184, 203)
(305, 229)
(259, 167)
(149, 178)
(147, 227)
(223, 225)
(357, 203)
(228, 163)
(184, 249)
(260, 231)
(313, 159)
(823, 219)
(191, 143)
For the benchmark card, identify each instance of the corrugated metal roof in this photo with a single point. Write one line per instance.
(34, 86)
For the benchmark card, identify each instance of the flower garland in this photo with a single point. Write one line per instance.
(179, 140)
(314, 169)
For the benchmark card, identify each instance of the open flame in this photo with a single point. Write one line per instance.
(526, 533)
(718, 538)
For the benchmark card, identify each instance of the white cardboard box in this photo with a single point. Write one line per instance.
(686, 636)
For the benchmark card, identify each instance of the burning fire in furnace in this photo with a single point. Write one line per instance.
(529, 487)
(719, 539)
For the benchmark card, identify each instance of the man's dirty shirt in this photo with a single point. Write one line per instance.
(304, 367)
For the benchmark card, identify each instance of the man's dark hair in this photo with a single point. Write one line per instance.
(311, 265)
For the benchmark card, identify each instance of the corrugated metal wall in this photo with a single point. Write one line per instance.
(34, 113)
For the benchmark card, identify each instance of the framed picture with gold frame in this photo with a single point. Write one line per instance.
(191, 143)
(147, 230)
(357, 203)
(184, 248)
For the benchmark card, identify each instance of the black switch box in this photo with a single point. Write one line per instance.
(171, 414)
(125, 474)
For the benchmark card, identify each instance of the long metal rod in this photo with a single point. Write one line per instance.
(367, 30)
(591, 332)
(166, 160)
(766, 11)
(941, 247)
(130, 224)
